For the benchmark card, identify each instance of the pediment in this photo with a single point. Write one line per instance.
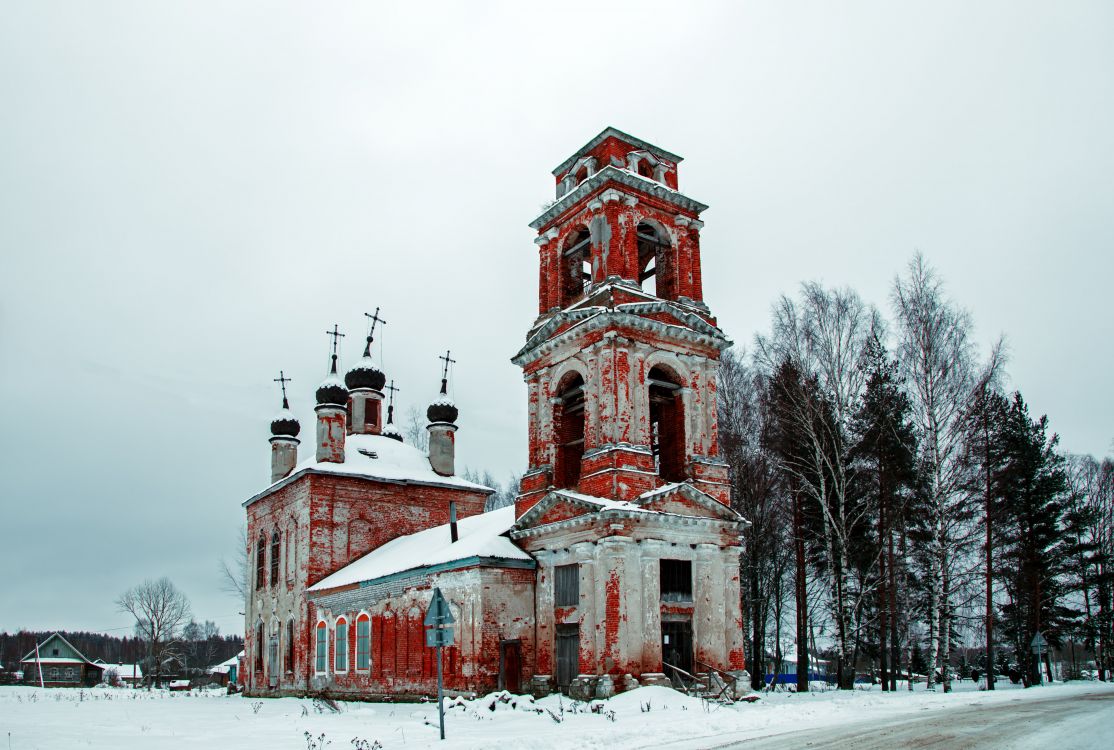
(685, 500)
(556, 507)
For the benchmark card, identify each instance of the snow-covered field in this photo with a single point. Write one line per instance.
(648, 717)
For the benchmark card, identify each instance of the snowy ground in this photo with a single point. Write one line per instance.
(648, 717)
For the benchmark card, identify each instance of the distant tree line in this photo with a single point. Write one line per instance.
(201, 646)
(903, 502)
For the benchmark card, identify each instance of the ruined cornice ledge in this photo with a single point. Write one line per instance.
(603, 318)
(623, 177)
(588, 519)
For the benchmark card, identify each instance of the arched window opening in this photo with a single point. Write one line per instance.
(654, 269)
(259, 646)
(568, 422)
(645, 168)
(322, 661)
(667, 424)
(260, 561)
(276, 556)
(363, 642)
(582, 174)
(289, 665)
(577, 263)
(341, 649)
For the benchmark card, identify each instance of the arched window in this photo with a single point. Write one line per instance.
(291, 539)
(340, 661)
(259, 642)
(568, 424)
(667, 424)
(645, 168)
(289, 665)
(654, 261)
(260, 561)
(582, 174)
(322, 661)
(276, 556)
(577, 266)
(363, 643)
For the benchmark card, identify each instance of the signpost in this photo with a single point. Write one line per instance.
(439, 632)
(1037, 645)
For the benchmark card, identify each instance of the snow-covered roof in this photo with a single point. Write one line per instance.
(226, 665)
(604, 503)
(379, 457)
(122, 670)
(479, 536)
(33, 656)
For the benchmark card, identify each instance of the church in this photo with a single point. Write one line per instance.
(618, 563)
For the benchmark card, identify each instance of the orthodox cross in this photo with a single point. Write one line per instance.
(374, 318)
(391, 401)
(337, 336)
(283, 380)
(447, 359)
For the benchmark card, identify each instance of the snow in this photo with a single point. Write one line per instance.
(225, 666)
(479, 536)
(123, 671)
(125, 719)
(284, 414)
(394, 462)
(55, 660)
(604, 503)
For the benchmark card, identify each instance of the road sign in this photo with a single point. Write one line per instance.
(438, 613)
(1038, 643)
(438, 621)
(437, 637)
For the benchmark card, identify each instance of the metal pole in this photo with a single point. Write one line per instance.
(440, 695)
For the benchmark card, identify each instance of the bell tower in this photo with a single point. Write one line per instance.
(621, 363)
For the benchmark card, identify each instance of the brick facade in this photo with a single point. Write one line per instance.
(624, 482)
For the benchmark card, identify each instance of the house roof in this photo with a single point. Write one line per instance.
(56, 659)
(480, 537)
(639, 505)
(122, 670)
(381, 458)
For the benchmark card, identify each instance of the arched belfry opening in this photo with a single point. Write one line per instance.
(568, 429)
(577, 266)
(654, 261)
(667, 424)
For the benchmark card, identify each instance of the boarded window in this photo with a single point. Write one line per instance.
(289, 646)
(276, 549)
(676, 580)
(341, 652)
(322, 648)
(566, 582)
(260, 562)
(363, 642)
(259, 647)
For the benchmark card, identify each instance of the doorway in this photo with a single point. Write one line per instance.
(568, 655)
(676, 647)
(510, 666)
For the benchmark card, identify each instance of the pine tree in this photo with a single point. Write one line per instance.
(884, 455)
(1031, 505)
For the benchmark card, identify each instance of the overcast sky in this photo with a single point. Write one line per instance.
(191, 193)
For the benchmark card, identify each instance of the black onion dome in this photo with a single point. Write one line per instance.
(390, 432)
(332, 390)
(442, 410)
(365, 375)
(285, 424)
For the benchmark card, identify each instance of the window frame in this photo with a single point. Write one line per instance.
(321, 649)
(288, 655)
(261, 561)
(276, 557)
(363, 655)
(677, 595)
(341, 621)
(566, 585)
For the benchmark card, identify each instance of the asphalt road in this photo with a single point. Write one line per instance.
(1067, 722)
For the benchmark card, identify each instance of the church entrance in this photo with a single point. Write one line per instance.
(510, 666)
(676, 648)
(568, 655)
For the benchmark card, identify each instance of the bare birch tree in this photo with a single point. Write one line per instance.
(160, 610)
(937, 360)
(824, 336)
